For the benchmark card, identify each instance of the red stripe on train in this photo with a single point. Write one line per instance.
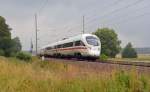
(71, 48)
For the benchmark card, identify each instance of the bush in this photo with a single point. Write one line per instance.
(2, 52)
(24, 56)
(103, 57)
(129, 52)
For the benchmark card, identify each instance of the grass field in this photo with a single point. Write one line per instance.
(141, 57)
(40, 76)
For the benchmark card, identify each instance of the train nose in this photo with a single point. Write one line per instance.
(95, 52)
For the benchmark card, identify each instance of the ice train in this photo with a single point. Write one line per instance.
(80, 46)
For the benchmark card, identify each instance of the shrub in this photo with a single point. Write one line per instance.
(2, 52)
(129, 52)
(103, 57)
(23, 56)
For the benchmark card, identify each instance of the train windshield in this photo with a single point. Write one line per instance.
(92, 40)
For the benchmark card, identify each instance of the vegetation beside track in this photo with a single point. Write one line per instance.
(53, 76)
(140, 58)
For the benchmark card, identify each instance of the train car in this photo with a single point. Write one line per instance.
(84, 45)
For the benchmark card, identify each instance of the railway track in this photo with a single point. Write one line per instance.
(124, 63)
(142, 64)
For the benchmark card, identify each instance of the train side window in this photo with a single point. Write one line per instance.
(59, 46)
(48, 48)
(70, 44)
(55, 47)
(62, 46)
(79, 43)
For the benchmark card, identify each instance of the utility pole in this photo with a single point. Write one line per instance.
(83, 25)
(36, 34)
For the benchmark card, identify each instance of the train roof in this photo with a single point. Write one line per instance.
(66, 40)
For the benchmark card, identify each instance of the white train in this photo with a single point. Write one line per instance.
(84, 45)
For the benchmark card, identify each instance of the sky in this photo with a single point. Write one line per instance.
(58, 19)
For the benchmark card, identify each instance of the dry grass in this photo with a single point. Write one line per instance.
(38, 76)
(141, 58)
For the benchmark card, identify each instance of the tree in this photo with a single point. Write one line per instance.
(5, 37)
(109, 41)
(16, 44)
(1, 52)
(7, 45)
(4, 29)
(129, 52)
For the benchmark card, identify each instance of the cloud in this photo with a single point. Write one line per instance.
(63, 18)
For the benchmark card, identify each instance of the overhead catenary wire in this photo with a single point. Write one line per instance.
(120, 9)
(78, 25)
(117, 10)
(39, 11)
(106, 7)
(107, 14)
(132, 17)
(36, 26)
(114, 11)
(121, 17)
(136, 11)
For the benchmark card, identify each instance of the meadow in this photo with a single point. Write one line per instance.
(141, 58)
(53, 76)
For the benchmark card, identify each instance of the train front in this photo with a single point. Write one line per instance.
(94, 45)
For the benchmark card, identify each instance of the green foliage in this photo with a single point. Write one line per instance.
(109, 41)
(4, 29)
(1, 52)
(24, 56)
(129, 52)
(16, 44)
(103, 57)
(8, 45)
(123, 79)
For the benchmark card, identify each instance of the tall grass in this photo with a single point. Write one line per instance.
(38, 76)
